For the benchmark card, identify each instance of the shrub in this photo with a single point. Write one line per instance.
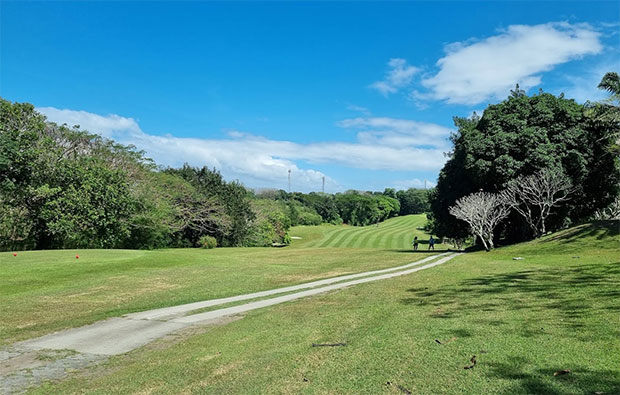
(207, 242)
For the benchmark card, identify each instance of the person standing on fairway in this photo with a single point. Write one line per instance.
(415, 243)
(431, 243)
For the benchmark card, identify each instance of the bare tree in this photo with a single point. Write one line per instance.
(536, 195)
(610, 212)
(483, 211)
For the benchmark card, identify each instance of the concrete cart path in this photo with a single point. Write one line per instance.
(166, 313)
(120, 335)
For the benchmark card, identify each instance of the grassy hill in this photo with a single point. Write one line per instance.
(395, 233)
(44, 291)
(557, 309)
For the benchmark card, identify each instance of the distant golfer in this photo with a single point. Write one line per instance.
(431, 243)
(415, 243)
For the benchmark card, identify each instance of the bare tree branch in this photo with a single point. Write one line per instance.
(535, 196)
(483, 211)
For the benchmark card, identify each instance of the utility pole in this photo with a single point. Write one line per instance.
(424, 184)
(289, 180)
(323, 188)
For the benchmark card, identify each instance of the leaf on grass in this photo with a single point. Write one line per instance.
(473, 363)
(561, 372)
(328, 344)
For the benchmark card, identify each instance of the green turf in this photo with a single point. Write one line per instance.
(395, 233)
(556, 309)
(44, 291)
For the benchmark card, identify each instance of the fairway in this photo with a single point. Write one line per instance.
(395, 233)
(45, 291)
(554, 310)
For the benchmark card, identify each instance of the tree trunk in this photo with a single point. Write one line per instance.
(490, 243)
(484, 243)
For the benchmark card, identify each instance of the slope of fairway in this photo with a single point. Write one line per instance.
(556, 310)
(44, 291)
(395, 233)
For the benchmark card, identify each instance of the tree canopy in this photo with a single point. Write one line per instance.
(519, 137)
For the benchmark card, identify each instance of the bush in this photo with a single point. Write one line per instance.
(207, 242)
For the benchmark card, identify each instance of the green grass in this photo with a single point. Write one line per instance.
(395, 233)
(556, 309)
(45, 291)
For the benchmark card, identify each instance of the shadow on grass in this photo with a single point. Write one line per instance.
(573, 294)
(580, 380)
(599, 229)
(424, 251)
(538, 302)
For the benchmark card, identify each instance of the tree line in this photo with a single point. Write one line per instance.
(63, 187)
(529, 165)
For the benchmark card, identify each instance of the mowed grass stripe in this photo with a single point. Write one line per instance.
(394, 238)
(334, 240)
(390, 236)
(381, 240)
(362, 234)
(372, 236)
(319, 242)
(350, 239)
(363, 239)
(395, 233)
(406, 241)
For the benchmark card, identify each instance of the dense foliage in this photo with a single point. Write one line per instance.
(522, 136)
(62, 187)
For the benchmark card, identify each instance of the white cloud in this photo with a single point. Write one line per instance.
(398, 76)
(107, 125)
(393, 144)
(360, 109)
(392, 132)
(475, 71)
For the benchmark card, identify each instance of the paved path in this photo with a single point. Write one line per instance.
(123, 334)
(21, 365)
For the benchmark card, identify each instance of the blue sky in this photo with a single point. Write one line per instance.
(362, 94)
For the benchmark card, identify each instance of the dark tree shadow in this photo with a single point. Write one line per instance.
(530, 289)
(599, 229)
(542, 381)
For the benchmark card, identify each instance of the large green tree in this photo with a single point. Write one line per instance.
(521, 136)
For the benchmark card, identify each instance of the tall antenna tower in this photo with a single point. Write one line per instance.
(323, 188)
(289, 180)
(424, 184)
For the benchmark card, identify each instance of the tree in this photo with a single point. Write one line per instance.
(606, 115)
(611, 83)
(519, 137)
(413, 201)
(483, 211)
(536, 195)
(233, 196)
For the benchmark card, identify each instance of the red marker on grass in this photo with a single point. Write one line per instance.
(77, 257)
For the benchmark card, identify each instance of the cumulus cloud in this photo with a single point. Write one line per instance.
(393, 132)
(383, 144)
(399, 75)
(105, 125)
(478, 70)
